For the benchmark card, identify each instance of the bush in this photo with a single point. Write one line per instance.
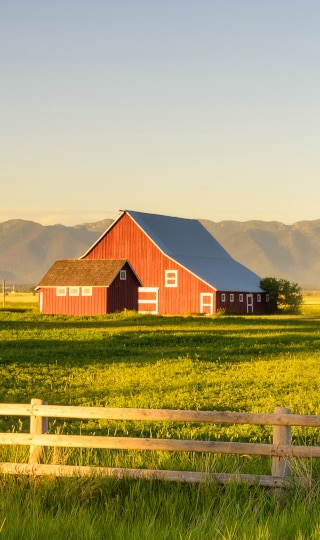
(283, 294)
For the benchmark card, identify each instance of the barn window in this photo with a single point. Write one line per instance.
(61, 291)
(223, 297)
(267, 298)
(231, 297)
(86, 291)
(73, 291)
(258, 297)
(171, 278)
(123, 275)
(240, 297)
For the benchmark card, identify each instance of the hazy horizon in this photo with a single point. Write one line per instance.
(73, 223)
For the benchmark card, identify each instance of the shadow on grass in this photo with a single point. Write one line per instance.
(88, 342)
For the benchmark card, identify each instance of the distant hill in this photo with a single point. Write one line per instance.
(273, 249)
(27, 249)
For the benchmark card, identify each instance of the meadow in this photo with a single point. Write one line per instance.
(236, 363)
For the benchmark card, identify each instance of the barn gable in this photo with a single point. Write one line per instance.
(187, 242)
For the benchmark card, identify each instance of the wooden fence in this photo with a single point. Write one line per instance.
(281, 451)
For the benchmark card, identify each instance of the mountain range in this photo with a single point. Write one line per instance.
(269, 248)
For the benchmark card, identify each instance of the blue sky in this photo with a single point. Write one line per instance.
(194, 108)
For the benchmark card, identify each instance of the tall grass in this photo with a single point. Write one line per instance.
(244, 363)
(99, 509)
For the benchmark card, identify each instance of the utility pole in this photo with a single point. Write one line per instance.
(3, 293)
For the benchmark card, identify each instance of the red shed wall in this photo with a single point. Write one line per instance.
(73, 305)
(126, 240)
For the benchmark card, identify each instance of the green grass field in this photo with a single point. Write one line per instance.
(238, 363)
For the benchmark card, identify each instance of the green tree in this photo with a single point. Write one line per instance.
(283, 294)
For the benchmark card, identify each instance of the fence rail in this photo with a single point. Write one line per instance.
(280, 451)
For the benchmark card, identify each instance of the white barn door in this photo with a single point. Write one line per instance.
(148, 300)
(206, 303)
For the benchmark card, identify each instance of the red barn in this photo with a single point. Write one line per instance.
(183, 269)
(88, 287)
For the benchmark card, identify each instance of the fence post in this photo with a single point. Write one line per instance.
(281, 435)
(38, 426)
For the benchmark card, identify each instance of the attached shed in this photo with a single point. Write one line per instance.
(181, 265)
(88, 287)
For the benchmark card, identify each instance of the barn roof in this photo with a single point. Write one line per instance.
(188, 242)
(81, 273)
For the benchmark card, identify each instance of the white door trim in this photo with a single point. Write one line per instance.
(204, 302)
(250, 303)
(153, 301)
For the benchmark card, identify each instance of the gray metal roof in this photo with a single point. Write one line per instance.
(191, 245)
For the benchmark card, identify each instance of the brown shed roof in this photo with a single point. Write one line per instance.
(82, 272)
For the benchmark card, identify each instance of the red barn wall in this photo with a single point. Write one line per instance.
(126, 240)
(237, 306)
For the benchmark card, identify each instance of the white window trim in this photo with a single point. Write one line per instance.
(223, 297)
(86, 291)
(240, 297)
(123, 275)
(171, 278)
(258, 297)
(74, 291)
(61, 291)
(231, 297)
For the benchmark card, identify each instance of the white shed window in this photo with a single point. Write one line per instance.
(171, 278)
(61, 291)
(231, 297)
(240, 297)
(73, 291)
(258, 297)
(123, 275)
(86, 291)
(223, 297)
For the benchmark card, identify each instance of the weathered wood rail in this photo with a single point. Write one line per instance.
(280, 451)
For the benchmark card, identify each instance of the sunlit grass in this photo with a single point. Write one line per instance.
(239, 363)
